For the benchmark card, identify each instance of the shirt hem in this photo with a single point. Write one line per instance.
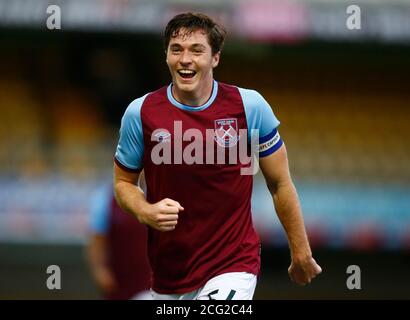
(125, 168)
(202, 283)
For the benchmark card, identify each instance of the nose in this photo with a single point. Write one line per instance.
(185, 58)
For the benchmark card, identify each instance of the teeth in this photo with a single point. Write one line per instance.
(186, 71)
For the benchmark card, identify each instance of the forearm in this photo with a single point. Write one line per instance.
(162, 215)
(130, 198)
(275, 168)
(289, 212)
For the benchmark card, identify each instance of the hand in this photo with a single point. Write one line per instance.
(105, 280)
(303, 271)
(162, 216)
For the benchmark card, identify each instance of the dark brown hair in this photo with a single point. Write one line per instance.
(196, 21)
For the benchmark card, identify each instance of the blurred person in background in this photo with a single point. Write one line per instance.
(116, 250)
(202, 244)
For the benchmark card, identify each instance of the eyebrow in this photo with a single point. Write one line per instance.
(198, 45)
(194, 46)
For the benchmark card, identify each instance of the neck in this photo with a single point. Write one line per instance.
(196, 98)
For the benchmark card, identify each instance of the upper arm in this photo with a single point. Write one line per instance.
(261, 119)
(275, 168)
(271, 149)
(130, 148)
(122, 175)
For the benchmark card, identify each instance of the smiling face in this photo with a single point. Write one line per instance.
(191, 62)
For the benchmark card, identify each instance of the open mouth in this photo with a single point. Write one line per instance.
(186, 74)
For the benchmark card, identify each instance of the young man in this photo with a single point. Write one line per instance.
(201, 242)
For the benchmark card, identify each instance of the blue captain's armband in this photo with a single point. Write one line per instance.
(269, 144)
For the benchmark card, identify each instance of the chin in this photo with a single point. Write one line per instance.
(187, 87)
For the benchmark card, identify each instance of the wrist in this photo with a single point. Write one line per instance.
(144, 211)
(299, 256)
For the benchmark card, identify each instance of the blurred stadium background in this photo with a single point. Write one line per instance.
(342, 97)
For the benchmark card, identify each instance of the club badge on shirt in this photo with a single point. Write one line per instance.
(226, 132)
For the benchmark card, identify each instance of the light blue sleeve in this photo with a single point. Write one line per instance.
(130, 148)
(259, 116)
(99, 210)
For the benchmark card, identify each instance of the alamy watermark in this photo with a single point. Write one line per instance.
(354, 281)
(54, 19)
(223, 145)
(54, 280)
(354, 20)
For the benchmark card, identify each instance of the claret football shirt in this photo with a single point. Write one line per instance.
(171, 142)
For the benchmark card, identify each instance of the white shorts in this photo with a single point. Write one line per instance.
(227, 286)
(142, 295)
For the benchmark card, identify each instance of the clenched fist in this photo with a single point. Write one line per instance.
(162, 216)
(304, 271)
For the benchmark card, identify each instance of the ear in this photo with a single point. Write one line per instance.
(215, 59)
